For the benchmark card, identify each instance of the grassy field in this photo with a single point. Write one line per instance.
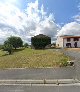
(29, 58)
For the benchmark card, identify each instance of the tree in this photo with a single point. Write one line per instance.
(26, 45)
(16, 42)
(7, 47)
(40, 41)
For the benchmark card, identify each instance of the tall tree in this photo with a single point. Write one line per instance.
(16, 42)
(40, 41)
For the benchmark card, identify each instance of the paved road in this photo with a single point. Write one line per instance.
(41, 73)
(54, 73)
(40, 88)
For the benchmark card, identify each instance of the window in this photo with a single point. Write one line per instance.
(76, 39)
(68, 39)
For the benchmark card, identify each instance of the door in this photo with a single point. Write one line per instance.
(75, 44)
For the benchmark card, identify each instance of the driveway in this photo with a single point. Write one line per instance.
(75, 54)
(72, 53)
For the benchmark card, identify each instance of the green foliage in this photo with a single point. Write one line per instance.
(1, 47)
(7, 47)
(26, 45)
(63, 64)
(16, 42)
(40, 42)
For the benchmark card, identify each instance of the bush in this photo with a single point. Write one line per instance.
(40, 41)
(26, 45)
(63, 64)
(8, 47)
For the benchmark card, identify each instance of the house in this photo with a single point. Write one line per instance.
(68, 41)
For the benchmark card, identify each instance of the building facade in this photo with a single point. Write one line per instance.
(68, 41)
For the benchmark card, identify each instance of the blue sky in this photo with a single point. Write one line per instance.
(27, 18)
(63, 10)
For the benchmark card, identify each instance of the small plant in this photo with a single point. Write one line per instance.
(63, 64)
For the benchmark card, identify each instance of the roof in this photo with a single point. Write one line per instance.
(70, 36)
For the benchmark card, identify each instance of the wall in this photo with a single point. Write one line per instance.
(59, 41)
(72, 42)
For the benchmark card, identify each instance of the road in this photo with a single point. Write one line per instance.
(40, 73)
(50, 73)
(40, 88)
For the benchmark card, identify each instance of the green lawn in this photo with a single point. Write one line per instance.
(29, 58)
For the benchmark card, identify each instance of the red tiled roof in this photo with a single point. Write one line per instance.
(70, 36)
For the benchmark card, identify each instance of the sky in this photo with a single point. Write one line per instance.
(27, 18)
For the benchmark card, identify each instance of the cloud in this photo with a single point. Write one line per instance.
(72, 28)
(27, 23)
(77, 18)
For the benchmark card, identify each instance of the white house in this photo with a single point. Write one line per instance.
(68, 41)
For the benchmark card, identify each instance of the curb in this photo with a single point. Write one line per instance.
(44, 81)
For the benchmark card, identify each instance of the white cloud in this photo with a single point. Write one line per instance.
(77, 18)
(27, 23)
(72, 28)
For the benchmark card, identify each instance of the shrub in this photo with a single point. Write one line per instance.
(8, 47)
(40, 41)
(63, 64)
(26, 45)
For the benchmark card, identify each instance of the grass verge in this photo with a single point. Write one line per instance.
(30, 58)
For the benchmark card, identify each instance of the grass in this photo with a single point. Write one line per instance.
(29, 58)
